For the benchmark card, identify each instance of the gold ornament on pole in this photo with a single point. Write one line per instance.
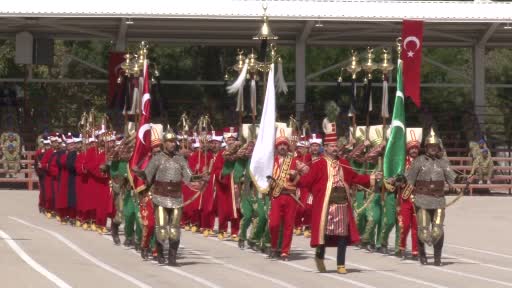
(265, 33)
(354, 66)
(369, 66)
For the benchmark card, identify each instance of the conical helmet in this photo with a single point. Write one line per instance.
(169, 134)
(432, 138)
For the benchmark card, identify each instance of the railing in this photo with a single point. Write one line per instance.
(29, 173)
(502, 178)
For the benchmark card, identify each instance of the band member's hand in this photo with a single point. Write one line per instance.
(292, 174)
(242, 152)
(195, 185)
(302, 168)
(185, 152)
(367, 143)
(139, 172)
(391, 180)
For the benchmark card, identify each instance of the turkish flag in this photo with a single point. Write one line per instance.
(115, 59)
(141, 154)
(412, 44)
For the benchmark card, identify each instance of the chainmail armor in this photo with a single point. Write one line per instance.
(425, 168)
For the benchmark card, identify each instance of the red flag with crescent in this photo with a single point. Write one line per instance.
(412, 44)
(141, 154)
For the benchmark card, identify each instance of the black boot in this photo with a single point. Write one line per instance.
(137, 246)
(115, 233)
(173, 252)
(383, 250)
(252, 245)
(437, 255)
(274, 254)
(400, 254)
(241, 243)
(128, 241)
(145, 252)
(369, 247)
(423, 254)
(160, 250)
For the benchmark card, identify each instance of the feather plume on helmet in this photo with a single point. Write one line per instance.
(329, 123)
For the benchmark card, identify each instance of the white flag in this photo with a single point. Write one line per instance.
(384, 108)
(262, 160)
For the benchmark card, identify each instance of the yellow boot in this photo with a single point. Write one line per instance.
(206, 233)
(58, 219)
(221, 236)
(211, 233)
(193, 229)
(187, 228)
(341, 269)
(235, 238)
(85, 226)
(78, 223)
(93, 227)
(49, 215)
(103, 230)
(307, 234)
(298, 231)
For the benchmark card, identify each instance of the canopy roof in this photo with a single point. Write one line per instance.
(233, 22)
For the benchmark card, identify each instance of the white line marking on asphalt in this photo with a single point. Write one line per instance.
(478, 262)
(85, 254)
(471, 276)
(213, 259)
(36, 266)
(304, 268)
(178, 271)
(479, 250)
(415, 280)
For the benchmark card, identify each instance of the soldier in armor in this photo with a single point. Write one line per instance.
(164, 174)
(12, 160)
(483, 167)
(428, 174)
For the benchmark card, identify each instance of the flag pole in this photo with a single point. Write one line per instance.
(353, 68)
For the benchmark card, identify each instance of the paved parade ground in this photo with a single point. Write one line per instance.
(38, 252)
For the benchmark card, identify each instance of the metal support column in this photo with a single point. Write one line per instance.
(479, 97)
(300, 78)
(300, 69)
(121, 36)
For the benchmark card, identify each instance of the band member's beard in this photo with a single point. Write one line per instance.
(433, 155)
(170, 152)
(334, 155)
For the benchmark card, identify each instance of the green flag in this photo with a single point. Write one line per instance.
(394, 157)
